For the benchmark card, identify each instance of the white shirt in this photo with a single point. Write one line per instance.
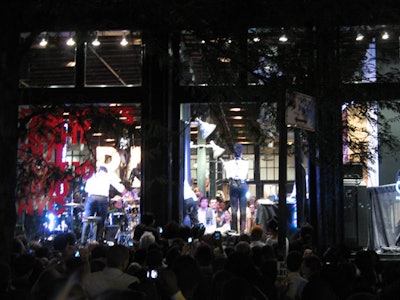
(99, 183)
(236, 168)
(211, 225)
(96, 283)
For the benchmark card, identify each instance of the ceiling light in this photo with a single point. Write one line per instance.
(70, 64)
(124, 41)
(137, 41)
(43, 42)
(96, 41)
(224, 59)
(70, 42)
(359, 37)
(283, 38)
(385, 35)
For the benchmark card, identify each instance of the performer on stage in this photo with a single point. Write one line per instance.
(236, 171)
(96, 205)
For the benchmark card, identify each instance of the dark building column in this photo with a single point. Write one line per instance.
(9, 138)
(329, 149)
(160, 127)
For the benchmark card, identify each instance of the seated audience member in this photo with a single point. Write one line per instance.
(206, 216)
(223, 218)
(113, 276)
(250, 215)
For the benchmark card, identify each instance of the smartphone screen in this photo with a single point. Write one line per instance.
(152, 274)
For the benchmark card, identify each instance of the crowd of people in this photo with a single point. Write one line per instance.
(183, 262)
(220, 251)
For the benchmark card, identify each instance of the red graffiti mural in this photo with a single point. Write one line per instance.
(44, 178)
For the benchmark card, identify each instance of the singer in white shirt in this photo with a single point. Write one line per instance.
(236, 171)
(96, 205)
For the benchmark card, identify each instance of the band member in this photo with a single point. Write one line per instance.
(96, 205)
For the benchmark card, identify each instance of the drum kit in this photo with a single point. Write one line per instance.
(124, 212)
(68, 221)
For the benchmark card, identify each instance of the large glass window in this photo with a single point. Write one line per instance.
(59, 148)
(107, 58)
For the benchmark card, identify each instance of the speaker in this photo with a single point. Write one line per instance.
(356, 216)
(111, 233)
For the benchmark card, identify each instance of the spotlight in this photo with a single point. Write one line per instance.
(385, 35)
(205, 128)
(217, 150)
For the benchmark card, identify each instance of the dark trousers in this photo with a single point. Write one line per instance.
(95, 205)
(238, 199)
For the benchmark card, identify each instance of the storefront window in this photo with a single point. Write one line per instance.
(107, 58)
(59, 149)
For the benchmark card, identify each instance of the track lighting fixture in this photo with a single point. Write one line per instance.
(359, 37)
(283, 38)
(44, 41)
(70, 42)
(96, 41)
(124, 41)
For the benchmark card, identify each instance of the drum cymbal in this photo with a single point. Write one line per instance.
(118, 214)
